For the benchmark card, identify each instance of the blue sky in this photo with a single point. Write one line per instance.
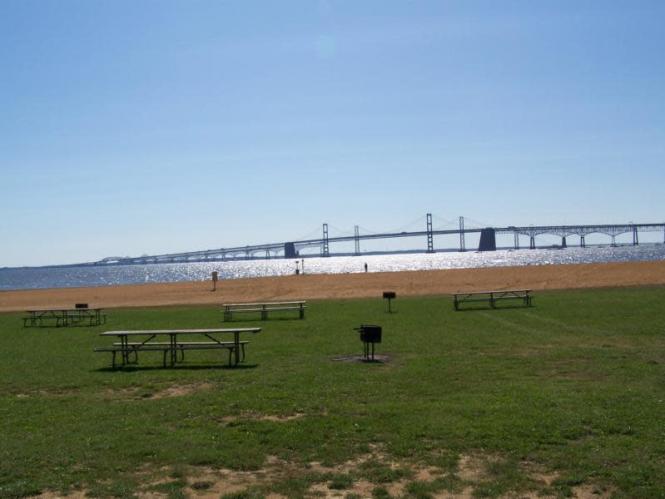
(132, 127)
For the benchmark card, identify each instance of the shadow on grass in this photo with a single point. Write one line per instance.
(128, 369)
(503, 307)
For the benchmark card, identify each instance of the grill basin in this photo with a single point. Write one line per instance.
(369, 335)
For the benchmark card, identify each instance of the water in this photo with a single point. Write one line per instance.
(67, 277)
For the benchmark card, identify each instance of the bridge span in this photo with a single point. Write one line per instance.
(487, 242)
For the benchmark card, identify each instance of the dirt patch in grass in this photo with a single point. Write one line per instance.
(362, 477)
(378, 359)
(223, 482)
(149, 394)
(48, 494)
(472, 468)
(546, 478)
(361, 488)
(180, 390)
(54, 393)
(588, 491)
(252, 416)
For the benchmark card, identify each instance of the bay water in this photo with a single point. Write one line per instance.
(100, 275)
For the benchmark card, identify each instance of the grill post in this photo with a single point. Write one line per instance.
(389, 295)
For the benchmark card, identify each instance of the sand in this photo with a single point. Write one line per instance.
(329, 286)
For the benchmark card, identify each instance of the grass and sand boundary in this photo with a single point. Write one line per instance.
(561, 399)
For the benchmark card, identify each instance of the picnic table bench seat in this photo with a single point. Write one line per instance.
(263, 308)
(492, 297)
(181, 346)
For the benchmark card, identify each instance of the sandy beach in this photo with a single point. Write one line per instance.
(334, 286)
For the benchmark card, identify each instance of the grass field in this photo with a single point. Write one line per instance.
(563, 398)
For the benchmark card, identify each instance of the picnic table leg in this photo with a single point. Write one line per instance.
(264, 313)
(125, 349)
(492, 303)
(236, 336)
(174, 351)
(302, 311)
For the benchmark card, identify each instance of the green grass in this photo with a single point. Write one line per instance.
(572, 388)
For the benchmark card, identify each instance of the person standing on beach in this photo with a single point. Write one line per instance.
(365, 266)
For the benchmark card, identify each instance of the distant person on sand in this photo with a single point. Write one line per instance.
(365, 266)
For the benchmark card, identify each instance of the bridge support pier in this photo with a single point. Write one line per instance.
(563, 242)
(582, 242)
(532, 242)
(614, 243)
(290, 250)
(516, 235)
(635, 237)
(487, 240)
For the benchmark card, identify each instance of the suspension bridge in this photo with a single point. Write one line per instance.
(325, 244)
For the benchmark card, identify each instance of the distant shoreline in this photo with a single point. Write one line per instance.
(341, 286)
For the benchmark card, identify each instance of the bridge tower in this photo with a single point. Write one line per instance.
(325, 249)
(356, 239)
(462, 244)
(430, 235)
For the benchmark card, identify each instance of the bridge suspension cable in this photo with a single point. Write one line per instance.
(418, 222)
(446, 223)
(315, 234)
(475, 224)
(340, 232)
(365, 230)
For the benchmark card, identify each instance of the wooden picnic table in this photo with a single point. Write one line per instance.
(175, 343)
(492, 297)
(264, 308)
(64, 316)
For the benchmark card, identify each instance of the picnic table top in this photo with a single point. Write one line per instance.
(61, 310)
(264, 303)
(181, 331)
(493, 291)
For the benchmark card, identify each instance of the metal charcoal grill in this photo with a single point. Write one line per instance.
(390, 296)
(369, 335)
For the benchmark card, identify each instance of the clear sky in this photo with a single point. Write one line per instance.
(141, 126)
